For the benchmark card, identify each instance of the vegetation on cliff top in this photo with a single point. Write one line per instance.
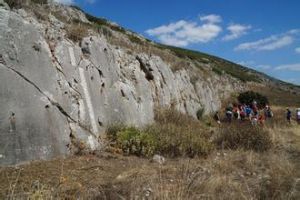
(219, 66)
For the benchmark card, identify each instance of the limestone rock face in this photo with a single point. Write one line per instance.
(53, 90)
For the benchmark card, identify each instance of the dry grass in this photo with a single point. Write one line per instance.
(278, 96)
(173, 134)
(244, 136)
(223, 175)
(76, 32)
(238, 173)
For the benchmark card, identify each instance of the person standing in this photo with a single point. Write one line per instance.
(298, 115)
(12, 121)
(288, 115)
(217, 118)
(229, 113)
(268, 112)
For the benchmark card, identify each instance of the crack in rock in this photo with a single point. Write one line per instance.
(56, 104)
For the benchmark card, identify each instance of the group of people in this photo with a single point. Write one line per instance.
(251, 112)
(289, 115)
(248, 112)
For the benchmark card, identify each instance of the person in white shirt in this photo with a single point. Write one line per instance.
(298, 115)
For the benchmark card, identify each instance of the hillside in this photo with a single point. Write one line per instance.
(219, 65)
(91, 110)
(66, 74)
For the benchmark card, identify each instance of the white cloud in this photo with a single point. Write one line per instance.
(297, 50)
(236, 31)
(211, 19)
(289, 67)
(67, 2)
(267, 44)
(271, 43)
(182, 33)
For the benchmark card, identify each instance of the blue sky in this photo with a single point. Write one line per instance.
(261, 34)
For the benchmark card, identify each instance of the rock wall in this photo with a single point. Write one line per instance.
(53, 91)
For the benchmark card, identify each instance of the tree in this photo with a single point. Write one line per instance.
(250, 96)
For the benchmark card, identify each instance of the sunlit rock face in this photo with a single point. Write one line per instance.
(54, 91)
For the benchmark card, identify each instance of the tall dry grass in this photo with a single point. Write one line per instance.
(228, 175)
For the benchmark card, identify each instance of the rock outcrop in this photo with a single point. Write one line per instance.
(54, 91)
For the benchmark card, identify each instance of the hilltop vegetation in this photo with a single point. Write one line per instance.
(178, 57)
(219, 65)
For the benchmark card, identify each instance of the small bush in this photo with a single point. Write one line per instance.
(244, 136)
(112, 131)
(135, 142)
(15, 3)
(173, 134)
(249, 96)
(135, 39)
(200, 113)
(76, 32)
(180, 135)
(176, 140)
(217, 71)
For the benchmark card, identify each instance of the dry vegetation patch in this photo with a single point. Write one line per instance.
(76, 32)
(244, 136)
(249, 164)
(172, 135)
(223, 175)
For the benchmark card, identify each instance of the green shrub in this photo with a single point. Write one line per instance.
(135, 39)
(173, 134)
(112, 131)
(135, 142)
(244, 136)
(249, 96)
(217, 71)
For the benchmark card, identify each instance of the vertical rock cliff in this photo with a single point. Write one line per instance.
(53, 89)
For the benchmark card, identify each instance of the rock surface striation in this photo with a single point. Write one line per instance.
(53, 90)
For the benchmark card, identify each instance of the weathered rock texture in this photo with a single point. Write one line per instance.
(61, 91)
